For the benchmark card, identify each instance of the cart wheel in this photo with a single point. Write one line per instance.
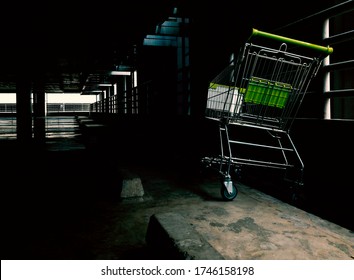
(228, 190)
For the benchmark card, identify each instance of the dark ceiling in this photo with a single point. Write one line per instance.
(63, 41)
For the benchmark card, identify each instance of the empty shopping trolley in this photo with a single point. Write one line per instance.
(261, 91)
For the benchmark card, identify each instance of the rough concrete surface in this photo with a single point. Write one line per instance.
(172, 237)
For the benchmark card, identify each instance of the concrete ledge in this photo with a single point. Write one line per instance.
(170, 236)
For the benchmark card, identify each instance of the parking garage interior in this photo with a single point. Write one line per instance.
(144, 70)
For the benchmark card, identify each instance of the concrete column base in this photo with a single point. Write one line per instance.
(131, 185)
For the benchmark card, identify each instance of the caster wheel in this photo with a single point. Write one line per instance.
(228, 190)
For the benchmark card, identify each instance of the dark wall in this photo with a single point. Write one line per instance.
(158, 66)
(326, 147)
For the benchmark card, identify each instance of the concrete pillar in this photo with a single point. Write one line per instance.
(326, 78)
(115, 108)
(107, 94)
(125, 97)
(39, 112)
(23, 111)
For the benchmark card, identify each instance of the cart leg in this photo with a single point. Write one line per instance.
(298, 196)
(228, 189)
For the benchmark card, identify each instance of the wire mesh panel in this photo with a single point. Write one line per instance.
(224, 98)
(263, 87)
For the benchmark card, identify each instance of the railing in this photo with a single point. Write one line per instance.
(134, 101)
(10, 108)
(67, 107)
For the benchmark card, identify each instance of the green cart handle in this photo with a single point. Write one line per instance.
(327, 50)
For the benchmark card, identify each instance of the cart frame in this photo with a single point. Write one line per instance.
(261, 90)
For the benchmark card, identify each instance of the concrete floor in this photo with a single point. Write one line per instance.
(75, 210)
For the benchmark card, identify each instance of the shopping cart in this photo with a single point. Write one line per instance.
(262, 89)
